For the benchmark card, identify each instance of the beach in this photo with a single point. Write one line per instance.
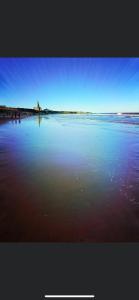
(69, 178)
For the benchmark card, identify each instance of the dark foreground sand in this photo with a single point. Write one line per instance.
(65, 180)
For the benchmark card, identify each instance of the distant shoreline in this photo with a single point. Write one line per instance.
(11, 111)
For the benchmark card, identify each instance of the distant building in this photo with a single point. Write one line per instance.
(46, 110)
(38, 108)
(6, 108)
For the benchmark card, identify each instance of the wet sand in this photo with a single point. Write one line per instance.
(4, 120)
(69, 179)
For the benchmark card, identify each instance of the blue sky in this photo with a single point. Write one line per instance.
(87, 84)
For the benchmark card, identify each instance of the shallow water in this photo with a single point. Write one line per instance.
(70, 178)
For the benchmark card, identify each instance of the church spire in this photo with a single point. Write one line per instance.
(38, 108)
(38, 105)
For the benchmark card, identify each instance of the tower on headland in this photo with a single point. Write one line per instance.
(38, 108)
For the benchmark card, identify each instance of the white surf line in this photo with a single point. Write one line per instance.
(69, 296)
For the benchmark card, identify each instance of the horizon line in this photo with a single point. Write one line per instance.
(68, 110)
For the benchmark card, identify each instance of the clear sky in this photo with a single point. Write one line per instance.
(86, 84)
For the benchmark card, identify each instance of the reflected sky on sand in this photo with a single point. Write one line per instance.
(70, 178)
